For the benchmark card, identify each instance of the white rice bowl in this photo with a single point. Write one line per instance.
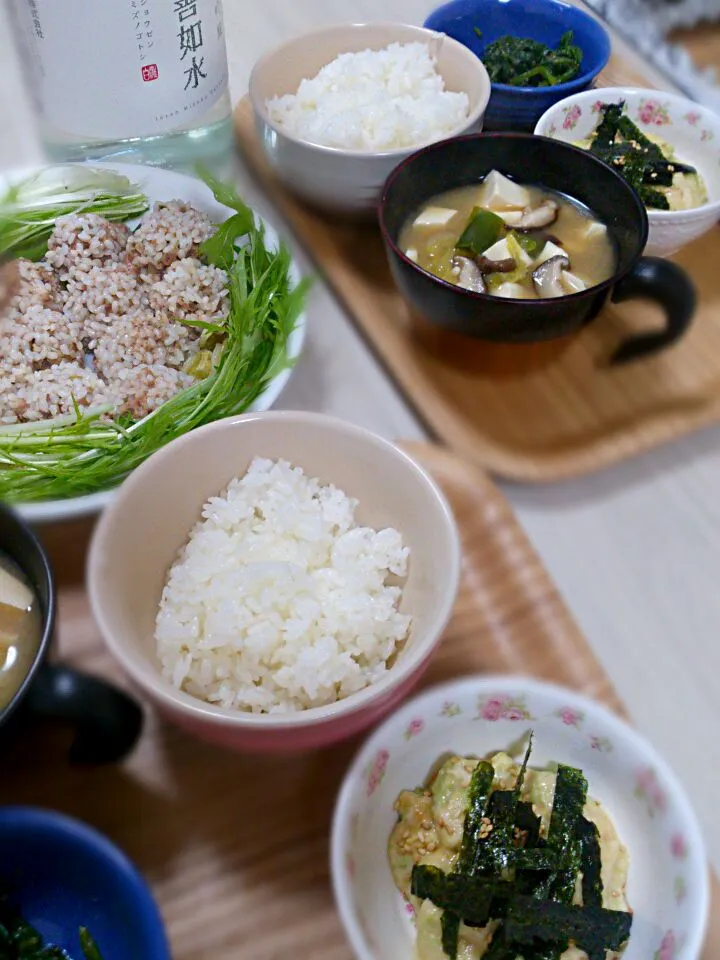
(373, 100)
(279, 602)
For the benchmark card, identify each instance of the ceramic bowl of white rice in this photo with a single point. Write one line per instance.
(275, 581)
(336, 110)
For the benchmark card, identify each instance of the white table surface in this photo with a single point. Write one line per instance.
(635, 550)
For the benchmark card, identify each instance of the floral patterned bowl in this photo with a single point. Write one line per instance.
(668, 878)
(693, 131)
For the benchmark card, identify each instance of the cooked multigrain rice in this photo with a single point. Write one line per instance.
(84, 240)
(143, 388)
(190, 290)
(39, 337)
(37, 286)
(13, 378)
(147, 338)
(101, 294)
(279, 601)
(56, 390)
(170, 232)
(81, 323)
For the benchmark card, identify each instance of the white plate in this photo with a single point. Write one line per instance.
(163, 185)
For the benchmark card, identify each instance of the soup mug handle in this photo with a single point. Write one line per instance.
(107, 722)
(653, 278)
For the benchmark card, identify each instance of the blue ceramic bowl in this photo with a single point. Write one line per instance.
(519, 108)
(64, 875)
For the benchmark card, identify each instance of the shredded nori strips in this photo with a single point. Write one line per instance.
(621, 143)
(497, 850)
(529, 823)
(468, 897)
(478, 799)
(508, 873)
(591, 864)
(567, 813)
(590, 928)
(450, 929)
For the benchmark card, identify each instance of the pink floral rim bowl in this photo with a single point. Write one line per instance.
(691, 130)
(668, 886)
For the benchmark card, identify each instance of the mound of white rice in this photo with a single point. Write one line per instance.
(374, 100)
(279, 601)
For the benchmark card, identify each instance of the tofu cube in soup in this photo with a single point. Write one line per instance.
(15, 600)
(511, 217)
(501, 251)
(593, 229)
(571, 282)
(513, 291)
(20, 629)
(434, 217)
(507, 240)
(500, 193)
(549, 250)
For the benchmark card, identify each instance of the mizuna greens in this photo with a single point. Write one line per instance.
(88, 452)
(30, 207)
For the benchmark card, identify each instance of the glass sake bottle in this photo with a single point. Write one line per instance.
(127, 80)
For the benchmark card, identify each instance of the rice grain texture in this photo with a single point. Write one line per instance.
(374, 100)
(279, 602)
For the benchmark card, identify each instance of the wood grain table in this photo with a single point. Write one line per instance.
(635, 550)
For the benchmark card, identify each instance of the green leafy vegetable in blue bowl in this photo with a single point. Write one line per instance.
(19, 940)
(524, 62)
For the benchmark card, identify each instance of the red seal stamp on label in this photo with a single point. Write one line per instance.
(150, 72)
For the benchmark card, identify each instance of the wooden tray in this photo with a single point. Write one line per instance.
(571, 418)
(236, 848)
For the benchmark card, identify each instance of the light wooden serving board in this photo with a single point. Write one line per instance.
(236, 848)
(571, 418)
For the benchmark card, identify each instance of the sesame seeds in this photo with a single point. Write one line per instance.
(417, 843)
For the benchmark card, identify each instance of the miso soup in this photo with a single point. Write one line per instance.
(20, 628)
(508, 240)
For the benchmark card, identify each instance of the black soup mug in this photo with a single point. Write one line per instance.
(106, 722)
(556, 166)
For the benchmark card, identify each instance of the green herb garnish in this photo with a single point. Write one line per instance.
(483, 228)
(522, 62)
(83, 453)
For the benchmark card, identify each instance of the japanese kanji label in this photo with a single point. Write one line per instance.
(141, 68)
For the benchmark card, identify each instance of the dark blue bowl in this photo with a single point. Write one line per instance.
(64, 875)
(519, 108)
